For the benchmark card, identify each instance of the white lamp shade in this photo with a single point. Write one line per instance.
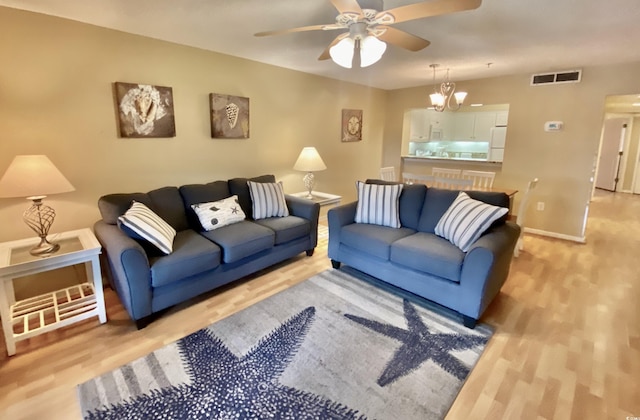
(437, 99)
(33, 176)
(371, 50)
(309, 161)
(460, 97)
(342, 52)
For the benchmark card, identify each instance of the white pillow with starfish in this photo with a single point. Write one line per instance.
(217, 214)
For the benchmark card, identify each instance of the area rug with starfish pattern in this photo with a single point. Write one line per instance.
(336, 346)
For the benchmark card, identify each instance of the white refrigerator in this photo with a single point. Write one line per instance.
(496, 144)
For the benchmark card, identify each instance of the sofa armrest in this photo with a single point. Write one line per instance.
(306, 209)
(338, 217)
(486, 267)
(129, 267)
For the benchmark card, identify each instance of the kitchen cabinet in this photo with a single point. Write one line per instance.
(426, 121)
(420, 125)
(474, 126)
(502, 118)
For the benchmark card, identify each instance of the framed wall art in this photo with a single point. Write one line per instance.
(145, 110)
(351, 125)
(229, 116)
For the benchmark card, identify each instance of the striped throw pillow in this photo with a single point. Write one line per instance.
(144, 222)
(378, 204)
(466, 220)
(267, 199)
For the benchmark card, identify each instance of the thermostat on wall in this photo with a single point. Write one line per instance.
(553, 126)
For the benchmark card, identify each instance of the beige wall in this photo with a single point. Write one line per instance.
(562, 160)
(56, 82)
(56, 99)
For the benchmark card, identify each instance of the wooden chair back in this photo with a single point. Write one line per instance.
(482, 180)
(446, 172)
(522, 212)
(409, 178)
(388, 173)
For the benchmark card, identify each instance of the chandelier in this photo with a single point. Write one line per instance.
(442, 100)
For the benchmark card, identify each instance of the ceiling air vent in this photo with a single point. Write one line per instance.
(569, 76)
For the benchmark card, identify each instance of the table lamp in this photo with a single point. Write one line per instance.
(309, 161)
(35, 177)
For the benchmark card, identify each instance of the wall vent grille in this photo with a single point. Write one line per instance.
(568, 76)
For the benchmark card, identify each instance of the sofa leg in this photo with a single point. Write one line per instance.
(335, 264)
(310, 252)
(143, 322)
(469, 322)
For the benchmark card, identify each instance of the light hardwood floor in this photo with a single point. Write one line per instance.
(566, 346)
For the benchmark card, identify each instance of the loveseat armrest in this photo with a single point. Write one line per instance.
(338, 217)
(129, 268)
(486, 267)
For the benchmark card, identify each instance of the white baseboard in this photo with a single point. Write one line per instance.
(578, 239)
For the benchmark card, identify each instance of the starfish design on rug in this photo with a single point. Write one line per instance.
(420, 345)
(226, 386)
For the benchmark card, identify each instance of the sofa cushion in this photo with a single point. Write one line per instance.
(287, 228)
(378, 204)
(241, 240)
(372, 239)
(165, 202)
(410, 203)
(202, 193)
(466, 220)
(267, 200)
(192, 254)
(437, 202)
(239, 187)
(428, 253)
(216, 214)
(141, 222)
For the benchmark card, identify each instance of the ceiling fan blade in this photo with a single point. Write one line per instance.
(325, 54)
(301, 29)
(427, 9)
(402, 39)
(345, 6)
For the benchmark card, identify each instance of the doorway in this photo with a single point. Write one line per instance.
(612, 147)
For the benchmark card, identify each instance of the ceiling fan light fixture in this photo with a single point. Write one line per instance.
(342, 52)
(371, 50)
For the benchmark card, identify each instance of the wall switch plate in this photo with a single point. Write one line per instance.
(540, 205)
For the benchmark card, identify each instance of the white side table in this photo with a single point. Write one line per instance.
(40, 314)
(321, 198)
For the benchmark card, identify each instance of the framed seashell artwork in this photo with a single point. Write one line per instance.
(229, 116)
(145, 110)
(351, 125)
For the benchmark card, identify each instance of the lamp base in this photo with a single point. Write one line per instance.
(39, 218)
(309, 182)
(44, 248)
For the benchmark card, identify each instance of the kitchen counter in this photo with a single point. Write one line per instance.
(430, 159)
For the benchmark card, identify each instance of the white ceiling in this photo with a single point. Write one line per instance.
(517, 36)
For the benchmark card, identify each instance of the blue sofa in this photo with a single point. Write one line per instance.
(413, 258)
(148, 281)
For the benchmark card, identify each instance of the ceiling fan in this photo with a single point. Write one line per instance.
(370, 30)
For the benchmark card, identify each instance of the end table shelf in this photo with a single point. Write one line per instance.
(47, 312)
(36, 315)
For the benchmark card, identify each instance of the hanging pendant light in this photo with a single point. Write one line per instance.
(441, 100)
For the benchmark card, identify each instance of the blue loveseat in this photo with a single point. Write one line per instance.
(148, 281)
(415, 259)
